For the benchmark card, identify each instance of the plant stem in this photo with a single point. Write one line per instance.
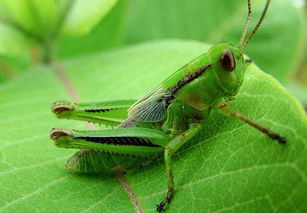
(48, 51)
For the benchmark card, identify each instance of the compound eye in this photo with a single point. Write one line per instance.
(228, 61)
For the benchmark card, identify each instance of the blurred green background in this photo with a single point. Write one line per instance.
(96, 50)
(32, 32)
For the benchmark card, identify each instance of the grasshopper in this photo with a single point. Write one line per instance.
(162, 121)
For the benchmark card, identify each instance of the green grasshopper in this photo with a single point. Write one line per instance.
(162, 121)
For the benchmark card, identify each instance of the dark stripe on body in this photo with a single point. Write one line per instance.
(98, 110)
(134, 141)
(188, 78)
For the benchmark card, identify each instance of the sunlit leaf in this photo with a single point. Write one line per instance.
(37, 16)
(84, 15)
(12, 41)
(107, 34)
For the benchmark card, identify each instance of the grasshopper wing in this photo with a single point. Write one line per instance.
(152, 108)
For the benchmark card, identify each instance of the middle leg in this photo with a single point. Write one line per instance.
(170, 149)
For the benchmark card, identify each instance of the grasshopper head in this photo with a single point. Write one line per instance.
(229, 66)
(228, 61)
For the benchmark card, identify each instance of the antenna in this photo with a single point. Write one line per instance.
(250, 36)
(249, 15)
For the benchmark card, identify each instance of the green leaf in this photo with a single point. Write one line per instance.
(107, 34)
(36, 16)
(84, 15)
(44, 20)
(42, 17)
(228, 167)
(10, 66)
(281, 36)
(299, 91)
(11, 40)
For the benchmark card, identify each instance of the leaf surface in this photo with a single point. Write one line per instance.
(84, 15)
(107, 33)
(229, 166)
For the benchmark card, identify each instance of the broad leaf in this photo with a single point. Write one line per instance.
(299, 91)
(46, 20)
(12, 41)
(36, 16)
(84, 15)
(281, 36)
(107, 34)
(42, 17)
(228, 167)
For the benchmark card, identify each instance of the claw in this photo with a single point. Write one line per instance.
(167, 200)
(160, 207)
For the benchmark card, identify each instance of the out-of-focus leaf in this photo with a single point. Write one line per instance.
(84, 15)
(44, 20)
(299, 91)
(11, 40)
(275, 48)
(10, 66)
(107, 34)
(37, 16)
(42, 16)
